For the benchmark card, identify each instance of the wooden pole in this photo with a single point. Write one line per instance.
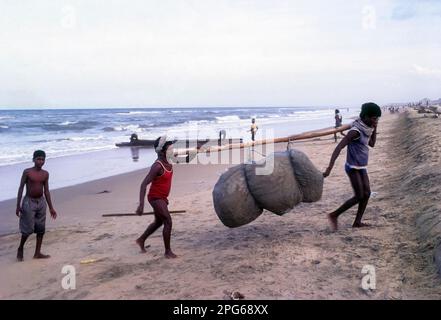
(134, 214)
(300, 136)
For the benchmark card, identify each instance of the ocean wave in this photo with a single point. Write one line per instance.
(130, 127)
(73, 126)
(73, 139)
(227, 119)
(66, 123)
(25, 156)
(306, 112)
(130, 113)
(196, 122)
(182, 111)
(6, 117)
(4, 127)
(148, 125)
(85, 138)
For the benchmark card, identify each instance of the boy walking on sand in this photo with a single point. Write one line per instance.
(160, 177)
(32, 211)
(360, 137)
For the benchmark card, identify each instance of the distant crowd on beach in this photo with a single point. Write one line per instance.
(393, 109)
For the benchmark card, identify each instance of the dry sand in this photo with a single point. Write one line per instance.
(291, 257)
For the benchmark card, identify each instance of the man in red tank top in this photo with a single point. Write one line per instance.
(160, 177)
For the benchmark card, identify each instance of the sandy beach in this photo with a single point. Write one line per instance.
(295, 256)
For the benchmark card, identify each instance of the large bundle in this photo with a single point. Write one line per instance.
(309, 178)
(277, 192)
(233, 202)
(244, 191)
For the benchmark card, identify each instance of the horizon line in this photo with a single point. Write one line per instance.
(3, 108)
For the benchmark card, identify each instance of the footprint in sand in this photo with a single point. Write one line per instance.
(103, 236)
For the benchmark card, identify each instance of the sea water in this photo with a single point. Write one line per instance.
(80, 143)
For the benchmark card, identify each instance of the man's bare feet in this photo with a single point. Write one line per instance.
(333, 221)
(20, 254)
(360, 225)
(170, 255)
(141, 245)
(41, 256)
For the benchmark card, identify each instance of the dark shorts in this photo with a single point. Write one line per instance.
(151, 199)
(33, 216)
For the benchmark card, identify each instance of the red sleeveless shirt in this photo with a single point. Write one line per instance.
(161, 185)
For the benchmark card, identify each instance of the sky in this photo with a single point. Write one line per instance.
(183, 53)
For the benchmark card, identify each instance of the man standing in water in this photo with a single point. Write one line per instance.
(32, 211)
(360, 137)
(160, 176)
(253, 129)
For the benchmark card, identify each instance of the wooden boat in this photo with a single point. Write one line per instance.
(137, 143)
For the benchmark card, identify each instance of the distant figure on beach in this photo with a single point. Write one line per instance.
(253, 129)
(32, 211)
(160, 177)
(362, 134)
(222, 135)
(338, 123)
(133, 138)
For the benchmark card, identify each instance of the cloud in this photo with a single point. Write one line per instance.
(426, 71)
(225, 52)
(412, 9)
(404, 11)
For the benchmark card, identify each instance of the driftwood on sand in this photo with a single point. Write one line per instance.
(134, 214)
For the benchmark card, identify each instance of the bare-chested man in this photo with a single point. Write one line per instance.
(32, 211)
